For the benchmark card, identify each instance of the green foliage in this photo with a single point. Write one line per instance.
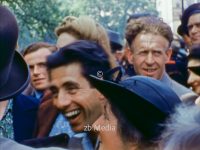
(38, 18)
(112, 14)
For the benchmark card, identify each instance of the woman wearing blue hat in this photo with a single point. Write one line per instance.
(141, 105)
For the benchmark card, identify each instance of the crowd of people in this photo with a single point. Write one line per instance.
(89, 91)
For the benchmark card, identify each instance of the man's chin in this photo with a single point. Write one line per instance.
(41, 87)
(149, 75)
(196, 41)
(78, 129)
(153, 76)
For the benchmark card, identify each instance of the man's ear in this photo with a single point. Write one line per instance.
(168, 53)
(101, 97)
(130, 55)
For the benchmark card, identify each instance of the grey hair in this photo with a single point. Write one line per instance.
(182, 130)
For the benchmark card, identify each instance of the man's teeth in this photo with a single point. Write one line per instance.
(150, 70)
(72, 113)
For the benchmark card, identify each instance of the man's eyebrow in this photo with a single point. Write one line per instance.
(52, 87)
(70, 84)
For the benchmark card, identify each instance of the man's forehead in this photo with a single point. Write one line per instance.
(41, 53)
(71, 72)
(64, 81)
(149, 39)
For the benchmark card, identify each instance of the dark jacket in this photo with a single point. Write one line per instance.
(24, 116)
(8, 144)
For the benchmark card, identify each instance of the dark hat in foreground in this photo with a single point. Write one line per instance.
(14, 74)
(115, 40)
(194, 54)
(192, 9)
(145, 102)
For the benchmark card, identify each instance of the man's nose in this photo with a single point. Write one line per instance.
(149, 59)
(36, 70)
(194, 29)
(63, 100)
(191, 78)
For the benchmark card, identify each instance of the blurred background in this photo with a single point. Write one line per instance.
(38, 18)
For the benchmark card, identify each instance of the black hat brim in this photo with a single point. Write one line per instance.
(116, 46)
(18, 78)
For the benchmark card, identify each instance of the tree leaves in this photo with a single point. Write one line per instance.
(38, 18)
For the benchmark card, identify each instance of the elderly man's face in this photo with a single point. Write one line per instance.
(194, 28)
(149, 53)
(194, 79)
(74, 97)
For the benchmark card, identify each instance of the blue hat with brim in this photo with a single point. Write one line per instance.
(145, 102)
(115, 40)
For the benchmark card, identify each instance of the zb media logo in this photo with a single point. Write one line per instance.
(107, 127)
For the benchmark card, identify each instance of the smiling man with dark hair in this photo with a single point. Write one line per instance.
(73, 94)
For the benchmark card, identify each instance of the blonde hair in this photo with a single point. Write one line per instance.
(86, 28)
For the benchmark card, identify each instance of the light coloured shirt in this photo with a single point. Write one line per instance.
(82, 140)
(61, 125)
